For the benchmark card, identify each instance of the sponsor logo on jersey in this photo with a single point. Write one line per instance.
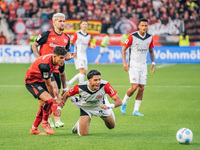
(54, 45)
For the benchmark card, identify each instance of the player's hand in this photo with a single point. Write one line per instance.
(152, 68)
(126, 68)
(72, 55)
(60, 102)
(103, 106)
(57, 112)
(63, 92)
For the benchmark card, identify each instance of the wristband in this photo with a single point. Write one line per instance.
(65, 89)
(111, 105)
(153, 63)
(59, 108)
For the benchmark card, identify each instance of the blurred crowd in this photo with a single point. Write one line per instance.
(107, 11)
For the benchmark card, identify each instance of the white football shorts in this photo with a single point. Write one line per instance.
(81, 63)
(138, 75)
(104, 49)
(95, 111)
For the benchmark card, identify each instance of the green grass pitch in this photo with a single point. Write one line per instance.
(171, 101)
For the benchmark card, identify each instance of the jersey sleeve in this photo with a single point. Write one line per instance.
(67, 47)
(74, 90)
(109, 90)
(89, 43)
(128, 41)
(74, 38)
(151, 46)
(42, 38)
(62, 69)
(45, 70)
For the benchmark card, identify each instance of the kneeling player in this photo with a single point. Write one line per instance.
(92, 100)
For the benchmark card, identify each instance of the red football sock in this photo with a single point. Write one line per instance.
(46, 109)
(38, 118)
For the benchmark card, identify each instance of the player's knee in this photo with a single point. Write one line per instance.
(134, 88)
(141, 89)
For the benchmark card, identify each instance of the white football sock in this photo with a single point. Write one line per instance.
(98, 57)
(76, 77)
(81, 77)
(137, 105)
(126, 98)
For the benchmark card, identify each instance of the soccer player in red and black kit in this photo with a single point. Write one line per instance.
(48, 40)
(38, 83)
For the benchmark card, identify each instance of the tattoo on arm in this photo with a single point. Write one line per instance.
(151, 54)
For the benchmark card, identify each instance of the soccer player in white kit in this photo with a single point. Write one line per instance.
(138, 43)
(92, 101)
(81, 42)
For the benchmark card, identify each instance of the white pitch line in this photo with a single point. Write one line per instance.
(123, 86)
(164, 65)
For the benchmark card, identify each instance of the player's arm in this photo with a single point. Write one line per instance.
(151, 53)
(41, 39)
(63, 77)
(113, 94)
(35, 49)
(49, 87)
(71, 92)
(74, 38)
(127, 43)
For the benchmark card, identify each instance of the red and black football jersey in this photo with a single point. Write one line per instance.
(41, 69)
(50, 39)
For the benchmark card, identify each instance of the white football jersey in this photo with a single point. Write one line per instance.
(138, 48)
(81, 42)
(91, 99)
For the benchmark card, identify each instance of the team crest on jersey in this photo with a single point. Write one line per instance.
(53, 39)
(148, 44)
(65, 40)
(39, 37)
(99, 96)
(45, 74)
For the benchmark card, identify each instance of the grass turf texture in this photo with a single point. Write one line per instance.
(171, 101)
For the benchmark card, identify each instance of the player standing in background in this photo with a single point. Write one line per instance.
(104, 48)
(93, 102)
(139, 42)
(38, 83)
(47, 41)
(81, 41)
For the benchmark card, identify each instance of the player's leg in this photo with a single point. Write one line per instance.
(47, 100)
(82, 125)
(134, 80)
(99, 55)
(78, 65)
(110, 120)
(138, 101)
(142, 82)
(56, 85)
(39, 90)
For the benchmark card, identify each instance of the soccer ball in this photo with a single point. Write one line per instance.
(184, 136)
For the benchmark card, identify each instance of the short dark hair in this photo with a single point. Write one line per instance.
(92, 73)
(83, 21)
(59, 50)
(143, 19)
